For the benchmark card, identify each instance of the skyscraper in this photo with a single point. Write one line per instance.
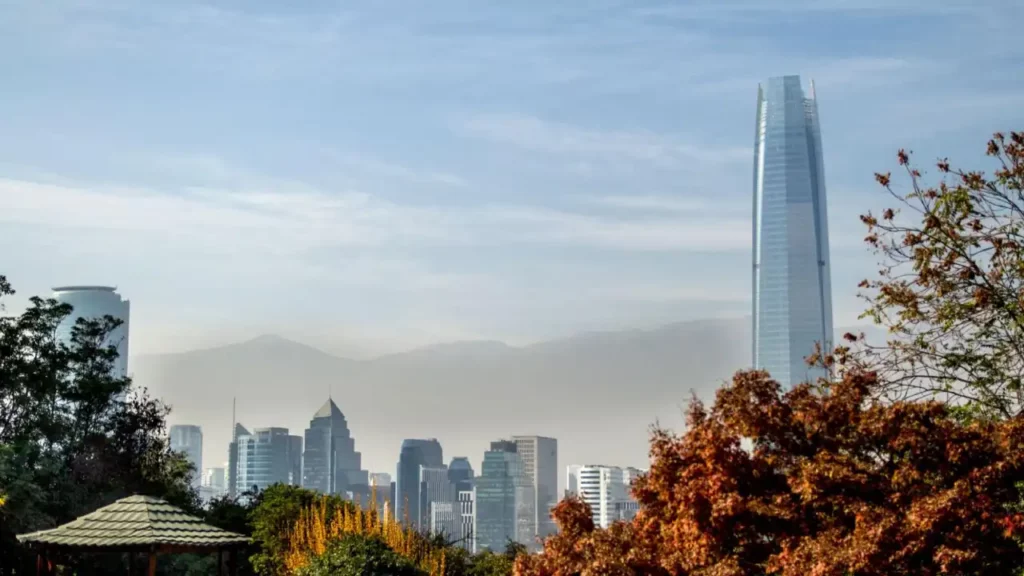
(414, 454)
(267, 456)
(504, 504)
(188, 439)
(460, 474)
(539, 456)
(95, 302)
(234, 465)
(435, 488)
(792, 292)
(603, 488)
(331, 464)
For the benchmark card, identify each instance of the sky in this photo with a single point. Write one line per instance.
(373, 176)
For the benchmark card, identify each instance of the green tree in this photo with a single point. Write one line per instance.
(68, 444)
(950, 289)
(359, 555)
(274, 513)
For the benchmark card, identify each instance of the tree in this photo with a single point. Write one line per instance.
(951, 286)
(360, 555)
(274, 514)
(821, 480)
(68, 444)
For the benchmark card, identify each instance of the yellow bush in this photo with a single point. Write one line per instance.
(314, 530)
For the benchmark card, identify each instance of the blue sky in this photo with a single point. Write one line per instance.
(367, 176)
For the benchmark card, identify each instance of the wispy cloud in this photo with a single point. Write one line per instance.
(669, 204)
(308, 219)
(531, 133)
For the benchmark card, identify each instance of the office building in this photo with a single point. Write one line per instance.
(188, 440)
(539, 456)
(460, 474)
(95, 302)
(435, 488)
(414, 454)
(444, 520)
(235, 488)
(331, 464)
(572, 479)
(603, 489)
(268, 456)
(504, 501)
(792, 291)
(466, 515)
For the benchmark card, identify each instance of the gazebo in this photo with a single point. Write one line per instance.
(136, 525)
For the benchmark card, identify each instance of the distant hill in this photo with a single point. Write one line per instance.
(598, 393)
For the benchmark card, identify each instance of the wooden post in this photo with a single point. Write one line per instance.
(39, 564)
(220, 561)
(152, 563)
(233, 562)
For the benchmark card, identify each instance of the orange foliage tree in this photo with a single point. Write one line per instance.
(820, 480)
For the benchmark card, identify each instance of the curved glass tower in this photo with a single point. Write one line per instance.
(95, 302)
(791, 279)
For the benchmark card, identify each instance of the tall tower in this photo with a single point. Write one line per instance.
(331, 464)
(539, 456)
(792, 289)
(188, 439)
(93, 303)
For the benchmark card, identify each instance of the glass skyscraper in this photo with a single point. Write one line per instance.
(95, 302)
(792, 292)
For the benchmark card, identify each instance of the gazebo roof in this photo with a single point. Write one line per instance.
(136, 521)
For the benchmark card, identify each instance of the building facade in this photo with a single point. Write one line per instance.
(503, 501)
(466, 515)
(95, 302)
(444, 520)
(235, 487)
(792, 290)
(267, 456)
(330, 463)
(460, 474)
(435, 488)
(603, 489)
(415, 453)
(539, 456)
(188, 440)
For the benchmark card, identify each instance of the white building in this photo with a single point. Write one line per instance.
(603, 488)
(95, 302)
(444, 519)
(466, 501)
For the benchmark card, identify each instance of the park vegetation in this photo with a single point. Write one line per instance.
(909, 460)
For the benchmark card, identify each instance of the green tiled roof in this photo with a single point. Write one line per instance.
(136, 521)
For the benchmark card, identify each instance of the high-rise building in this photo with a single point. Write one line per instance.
(444, 520)
(435, 488)
(460, 474)
(572, 479)
(95, 302)
(266, 457)
(331, 464)
(603, 489)
(188, 440)
(792, 290)
(466, 515)
(214, 484)
(504, 500)
(414, 454)
(539, 456)
(235, 488)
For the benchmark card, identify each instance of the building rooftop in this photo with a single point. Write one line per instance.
(85, 289)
